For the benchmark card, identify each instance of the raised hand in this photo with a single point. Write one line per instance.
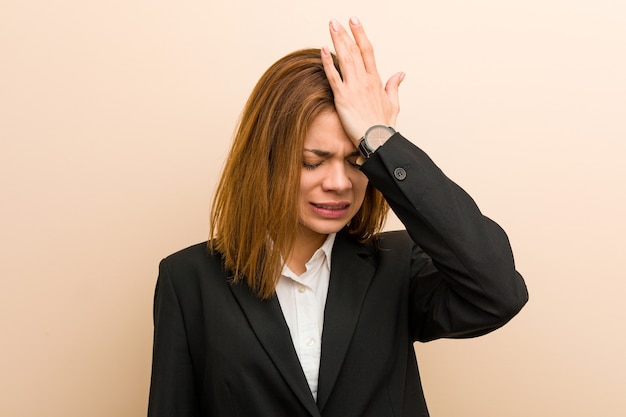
(360, 98)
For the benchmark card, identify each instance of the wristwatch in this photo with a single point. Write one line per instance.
(374, 138)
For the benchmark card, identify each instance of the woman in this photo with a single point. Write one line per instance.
(299, 305)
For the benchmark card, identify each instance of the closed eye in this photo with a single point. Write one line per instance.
(351, 159)
(352, 162)
(310, 166)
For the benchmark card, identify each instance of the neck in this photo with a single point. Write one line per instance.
(303, 249)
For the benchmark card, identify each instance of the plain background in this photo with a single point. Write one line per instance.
(116, 116)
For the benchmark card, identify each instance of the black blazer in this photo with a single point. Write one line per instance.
(221, 351)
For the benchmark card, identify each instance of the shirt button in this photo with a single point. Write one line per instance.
(301, 289)
(310, 341)
(399, 173)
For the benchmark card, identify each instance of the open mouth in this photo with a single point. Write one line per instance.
(342, 206)
(331, 210)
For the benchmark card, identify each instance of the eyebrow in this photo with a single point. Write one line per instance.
(325, 154)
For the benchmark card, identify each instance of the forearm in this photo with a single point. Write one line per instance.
(472, 285)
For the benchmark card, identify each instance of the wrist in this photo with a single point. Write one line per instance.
(374, 138)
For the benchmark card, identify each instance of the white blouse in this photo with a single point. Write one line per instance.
(302, 299)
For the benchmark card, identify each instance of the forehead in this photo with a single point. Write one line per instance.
(326, 133)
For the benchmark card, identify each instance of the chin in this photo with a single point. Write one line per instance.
(325, 227)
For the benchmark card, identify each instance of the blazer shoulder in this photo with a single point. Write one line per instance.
(193, 251)
(382, 242)
(394, 239)
(195, 257)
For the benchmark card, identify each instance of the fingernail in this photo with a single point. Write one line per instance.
(325, 50)
(334, 25)
(354, 21)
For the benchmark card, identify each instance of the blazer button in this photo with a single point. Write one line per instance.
(399, 173)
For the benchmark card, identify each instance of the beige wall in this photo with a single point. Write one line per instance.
(115, 117)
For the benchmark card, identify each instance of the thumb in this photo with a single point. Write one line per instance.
(391, 88)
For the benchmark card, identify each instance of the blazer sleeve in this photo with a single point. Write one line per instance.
(464, 281)
(173, 391)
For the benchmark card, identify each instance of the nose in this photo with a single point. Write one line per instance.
(337, 178)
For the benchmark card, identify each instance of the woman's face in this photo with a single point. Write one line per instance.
(332, 187)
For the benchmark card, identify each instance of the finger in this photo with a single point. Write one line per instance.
(391, 88)
(334, 78)
(392, 85)
(348, 52)
(365, 46)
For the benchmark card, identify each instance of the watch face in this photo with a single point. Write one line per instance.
(376, 136)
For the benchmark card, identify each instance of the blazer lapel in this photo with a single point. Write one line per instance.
(350, 276)
(268, 323)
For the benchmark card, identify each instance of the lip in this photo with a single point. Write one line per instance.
(331, 210)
